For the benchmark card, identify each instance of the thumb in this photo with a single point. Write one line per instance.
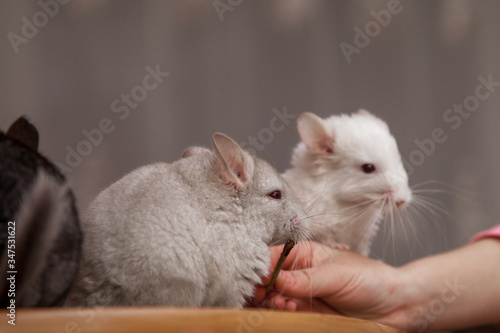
(306, 283)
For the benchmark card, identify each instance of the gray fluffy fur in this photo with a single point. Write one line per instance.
(192, 233)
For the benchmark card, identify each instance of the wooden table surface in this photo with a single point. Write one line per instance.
(179, 320)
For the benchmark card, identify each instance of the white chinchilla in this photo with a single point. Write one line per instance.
(191, 233)
(347, 172)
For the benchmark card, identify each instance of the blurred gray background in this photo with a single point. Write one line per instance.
(231, 63)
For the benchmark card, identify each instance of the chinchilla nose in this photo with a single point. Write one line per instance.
(399, 197)
(402, 197)
(400, 203)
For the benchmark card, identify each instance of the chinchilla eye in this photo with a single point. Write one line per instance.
(275, 194)
(368, 168)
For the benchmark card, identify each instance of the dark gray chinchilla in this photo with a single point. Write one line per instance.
(40, 235)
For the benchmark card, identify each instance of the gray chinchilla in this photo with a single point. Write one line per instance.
(191, 233)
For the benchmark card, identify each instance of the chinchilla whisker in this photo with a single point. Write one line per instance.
(432, 190)
(405, 232)
(368, 203)
(321, 215)
(425, 202)
(421, 204)
(431, 201)
(420, 209)
(415, 210)
(370, 208)
(414, 229)
(311, 205)
(440, 183)
(367, 212)
(455, 191)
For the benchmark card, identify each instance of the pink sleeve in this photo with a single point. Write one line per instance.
(493, 232)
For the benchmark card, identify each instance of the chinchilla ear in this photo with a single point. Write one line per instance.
(194, 151)
(313, 133)
(235, 166)
(22, 130)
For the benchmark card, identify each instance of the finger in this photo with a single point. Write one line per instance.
(290, 305)
(303, 305)
(313, 305)
(259, 294)
(277, 302)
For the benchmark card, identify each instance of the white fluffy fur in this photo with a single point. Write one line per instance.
(327, 176)
(192, 233)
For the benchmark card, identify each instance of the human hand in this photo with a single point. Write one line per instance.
(320, 278)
